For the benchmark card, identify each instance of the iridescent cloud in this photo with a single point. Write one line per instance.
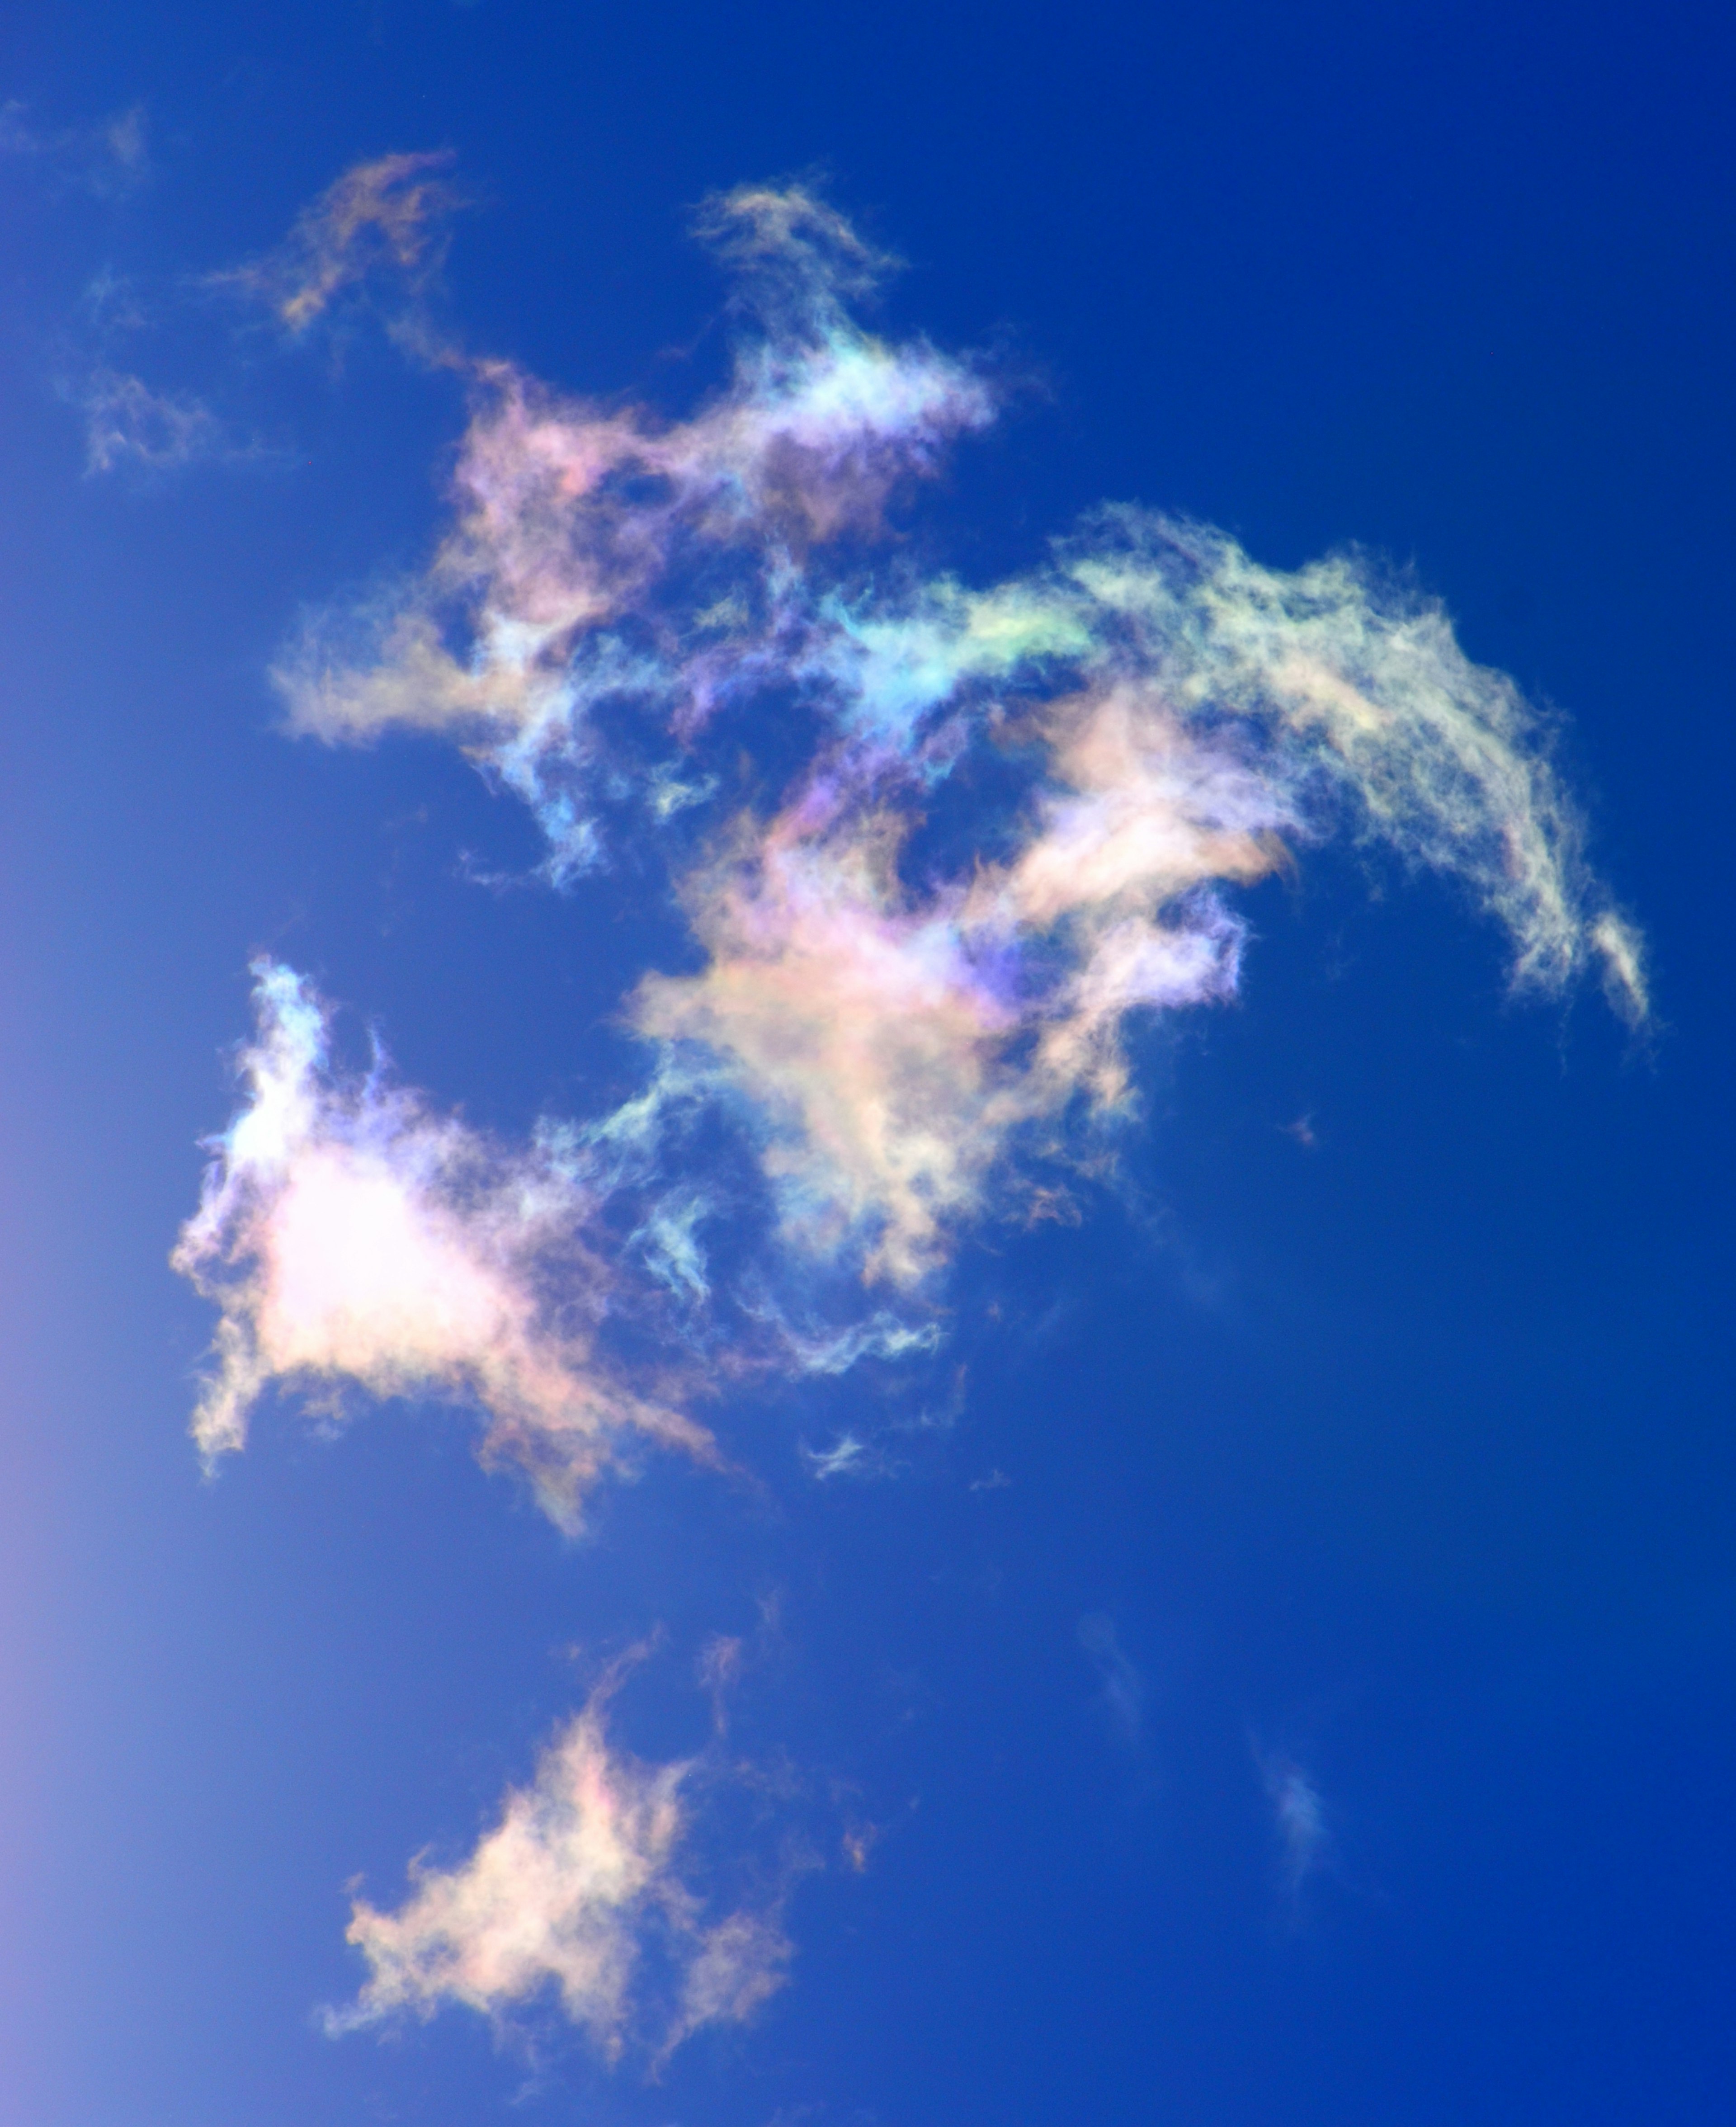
(581, 1877)
(387, 213)
(598, 552)
(1183, 721)
(349, 1235)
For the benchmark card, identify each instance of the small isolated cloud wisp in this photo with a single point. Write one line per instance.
(1299, 1818)
(386, 218)
(1121, 1687)
(127, 423)
(576, 1893)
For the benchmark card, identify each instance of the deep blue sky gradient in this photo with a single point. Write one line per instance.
(1407, 1456)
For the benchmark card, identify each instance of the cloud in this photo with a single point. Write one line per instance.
(941, 847)
(350, 1235)
(1122, 1687)
(572, 519)
(127, 423)
(847, 1456)
(108, 158)
(1305, 1838)
(1178, 721)
(577, 1892)
(383, 216)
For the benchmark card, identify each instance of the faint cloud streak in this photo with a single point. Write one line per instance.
(1122, 1687)
(108, 158)
(1299, 1817)
(128, 422)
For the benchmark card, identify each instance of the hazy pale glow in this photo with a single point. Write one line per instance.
(349, 1235)
(1304, 1838)
(580, 1876)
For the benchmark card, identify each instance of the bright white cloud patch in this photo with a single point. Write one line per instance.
(577, 1894)
(350, 1235)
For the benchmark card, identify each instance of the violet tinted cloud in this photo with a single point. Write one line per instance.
(1186, 721)
(386, 214)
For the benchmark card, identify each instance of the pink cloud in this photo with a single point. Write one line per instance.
(349, 1235)
(563, 1897)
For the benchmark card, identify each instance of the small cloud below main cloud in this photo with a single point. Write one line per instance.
(1299, 1819)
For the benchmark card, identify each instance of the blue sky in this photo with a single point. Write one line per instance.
(1109, 1493)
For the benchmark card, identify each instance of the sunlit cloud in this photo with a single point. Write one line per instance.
(387, 217)
(577, 1893)
(1185, 721)
(1299, 1817)
(350, 1236)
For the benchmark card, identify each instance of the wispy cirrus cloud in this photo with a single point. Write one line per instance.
(385, 219)
(578, 1893)
(107, 158)
(1121, 1684)
(1299, 1818)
